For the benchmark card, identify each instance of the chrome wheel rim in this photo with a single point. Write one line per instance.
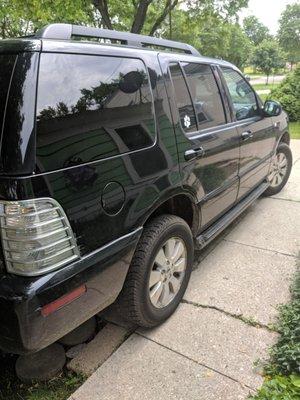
(167, 272)
(278, 170)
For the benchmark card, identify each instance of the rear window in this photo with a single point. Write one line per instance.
(91, 107)
(7, 62)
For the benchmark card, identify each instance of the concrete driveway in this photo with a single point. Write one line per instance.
(207, 350)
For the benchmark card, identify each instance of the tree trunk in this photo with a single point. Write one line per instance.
(102, 7)
(170, 5)
(140, 16)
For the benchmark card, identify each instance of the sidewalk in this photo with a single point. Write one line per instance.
(207, 349)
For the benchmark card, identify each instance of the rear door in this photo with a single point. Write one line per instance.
(208, 146)
(257, 133)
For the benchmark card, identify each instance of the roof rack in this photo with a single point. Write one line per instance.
(68, 31)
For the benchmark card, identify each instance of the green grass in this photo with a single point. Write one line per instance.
(250, 71)
(263, 86)
(282, 381)
(294, 130)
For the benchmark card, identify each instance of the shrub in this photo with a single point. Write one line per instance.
(283, 370)
(288, 94)
(285, 355)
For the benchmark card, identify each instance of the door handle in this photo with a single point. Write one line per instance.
(247, 135)
(192, 154)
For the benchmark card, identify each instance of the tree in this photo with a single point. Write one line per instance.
(224, 40)
(268, 57)
(150, 17)
(255, 30)
(18, 17)
(289, 32)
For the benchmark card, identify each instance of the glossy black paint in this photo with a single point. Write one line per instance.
(108, 198)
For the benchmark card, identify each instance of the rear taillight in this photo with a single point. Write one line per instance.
(36, 236)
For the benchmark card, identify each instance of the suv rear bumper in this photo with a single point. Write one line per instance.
(23, 328)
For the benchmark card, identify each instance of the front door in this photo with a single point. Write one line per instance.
(257, 133)
(208, 145)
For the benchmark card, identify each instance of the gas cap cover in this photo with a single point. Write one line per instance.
(113, 198)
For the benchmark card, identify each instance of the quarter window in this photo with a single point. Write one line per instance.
(91, 107)
(242, 95)
(183, 99)
(205, 95)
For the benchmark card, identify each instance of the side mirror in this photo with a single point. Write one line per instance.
(272, 108)
(248, 78)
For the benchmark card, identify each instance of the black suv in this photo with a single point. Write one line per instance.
(117, 157)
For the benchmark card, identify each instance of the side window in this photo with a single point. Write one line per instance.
(183, 99)
(205, 95)
(91, 107)
(242, 96)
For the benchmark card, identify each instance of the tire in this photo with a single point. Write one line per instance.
(137, 298)
(283, 151)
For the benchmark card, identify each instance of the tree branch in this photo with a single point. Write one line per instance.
(170, 5)
(140, 16)
(102, 7)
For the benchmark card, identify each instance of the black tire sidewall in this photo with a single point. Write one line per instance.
(156, 315)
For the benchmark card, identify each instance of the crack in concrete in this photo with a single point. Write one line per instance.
(197, 362)
(246, 320)
(261, 248)
(298, 159)
(281, 198)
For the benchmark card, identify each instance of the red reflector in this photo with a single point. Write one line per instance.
(62, 301)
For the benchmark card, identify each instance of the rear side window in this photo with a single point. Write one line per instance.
(242, 95)
(183, 99)
(198, 98)
(7, 62)
(91, 107)
(205, 95)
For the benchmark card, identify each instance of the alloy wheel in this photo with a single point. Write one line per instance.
(167, 272)
(278, 170)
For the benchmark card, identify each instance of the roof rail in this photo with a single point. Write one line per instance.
(68, 31)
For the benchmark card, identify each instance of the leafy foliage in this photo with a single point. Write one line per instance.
(283, 371)
(285, 355)
(288, 94)
(19, 18)
(289, 31)
(255, 30)
(140, 16)
(268, 57)
(280, 388)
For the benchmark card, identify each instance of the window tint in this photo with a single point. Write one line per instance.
(91, 107)
(6, 67)
(183, 99)
(205, 95)
(242, 95)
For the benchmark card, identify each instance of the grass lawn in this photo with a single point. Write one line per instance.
(250, 71)
(263, 86)
(295, 130)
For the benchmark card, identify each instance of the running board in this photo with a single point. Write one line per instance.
(210, 233)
